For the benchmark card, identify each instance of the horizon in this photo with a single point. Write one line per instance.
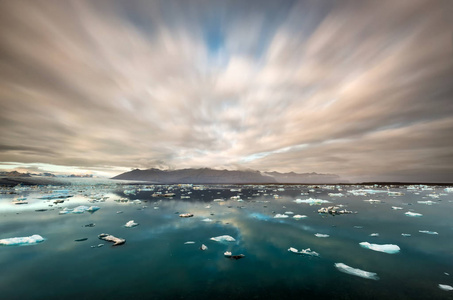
(357, 89)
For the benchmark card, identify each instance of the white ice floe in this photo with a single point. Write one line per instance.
(80, 209)
(223, 238)
(449, 189)
(22, 241)
(203, 247)
(428, 232)
(406, 234)
(281, 216)
(321, 235)
(412, 214)
(311, 201)
(130, 224)
(307, 251)
(387, 248)
(299, 216)
(396, 207)
(445, 287)
(372, 201)
(374, 234)
(336, 195)
(289, 213)
(428, 202)
(189, 243)
(357, 272)
(207, 220)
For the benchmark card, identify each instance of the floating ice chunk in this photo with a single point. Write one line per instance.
(374, 234)
(229, 255)
(203, 247)
(406, 234)
(289, 213)
(280, 216)
(449, 189)
(187, 215)
(336, 194)
(207, 220)
(320, 235)
(22, 241)
(65, 211)
(387, 248)
(307, 251)
(429, 202)
(428, 232)
(110, 238)
(356, 272)
(189, 243)
(223, 238)
(445, 287)
(412, 214)
(130, 224)
(93, 208)
(396, 207)
(311, 201)
(371, 201)
(299, 216)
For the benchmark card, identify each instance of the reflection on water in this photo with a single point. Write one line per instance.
(155, 262)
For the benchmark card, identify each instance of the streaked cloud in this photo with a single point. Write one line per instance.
(360, 89)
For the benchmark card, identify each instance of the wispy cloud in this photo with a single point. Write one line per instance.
(350, 87)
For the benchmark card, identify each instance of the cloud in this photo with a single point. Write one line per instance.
(364, 87)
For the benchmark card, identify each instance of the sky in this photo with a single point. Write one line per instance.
(362, 89)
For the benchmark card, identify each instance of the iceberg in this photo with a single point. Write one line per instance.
(387, 248)
(428, 232)
(203, 247)
(320, 235)
(189, 243)
(445, 287)
(280, 216)
(412, 214)
(110, 238)
(406, 234)
(223, 238)
(396, 207)
(311, 201)
(307, 251)
(372, 201)
(448, 189)
(80, 209)
(229, 255)
(356, 272)
(289, 213)
(374, 234)
(299, 216)
(22, 241)
(130, 224)
(207, 220)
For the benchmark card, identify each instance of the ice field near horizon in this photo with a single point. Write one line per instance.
(242, 242)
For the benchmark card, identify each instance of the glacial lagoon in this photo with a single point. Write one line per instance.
(399, 245)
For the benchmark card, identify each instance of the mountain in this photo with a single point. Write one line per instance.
(206, 176)
(14, 174)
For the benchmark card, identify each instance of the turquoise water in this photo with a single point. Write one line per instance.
(155, 262)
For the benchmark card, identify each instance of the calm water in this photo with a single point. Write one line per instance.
(156, 264)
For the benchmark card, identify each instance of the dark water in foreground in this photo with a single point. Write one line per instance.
(156, 264)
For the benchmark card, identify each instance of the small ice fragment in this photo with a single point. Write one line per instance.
(188, 215)
(110, 238)
(307, 251)
(229, 255)
(311, 201)
(203, 247)
(446, 273)
(396, 207)
(357, 272)
(280, 216)
(320, 235)
(223, 238)
(406, 234)
(446, 287)
(93, 209)
(207, 220)
(412, 214)
(156, 207)
(80, 209)
(100, 245)
(387, 248)
(299, 216)
(130, 224)
(358, 227)
(371, 201)
(189, 243)
(429, 202)
(374, 234)
(428, 232)
(289, 213)
(119, 212)
(22, 241)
